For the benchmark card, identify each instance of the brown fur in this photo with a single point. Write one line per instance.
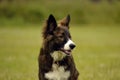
(53, 38)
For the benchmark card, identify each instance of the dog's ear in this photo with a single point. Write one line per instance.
(65, 21)
(51, 23)
(50, 26)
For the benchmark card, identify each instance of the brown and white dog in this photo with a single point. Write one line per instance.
(55, 59)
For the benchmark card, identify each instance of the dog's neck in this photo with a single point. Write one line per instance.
(58, 72)
(57, 56)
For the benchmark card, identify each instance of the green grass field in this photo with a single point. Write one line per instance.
(97, 55)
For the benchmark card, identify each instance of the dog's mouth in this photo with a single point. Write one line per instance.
(67, 52)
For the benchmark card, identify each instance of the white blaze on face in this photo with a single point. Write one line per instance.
(67, 45)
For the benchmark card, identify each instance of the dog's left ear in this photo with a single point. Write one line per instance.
(65, 21)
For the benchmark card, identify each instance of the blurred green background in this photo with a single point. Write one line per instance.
(94, 28)
(81, 11)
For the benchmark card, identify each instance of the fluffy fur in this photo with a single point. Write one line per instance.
(55, 59)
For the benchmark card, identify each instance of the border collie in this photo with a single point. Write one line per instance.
(55, 59)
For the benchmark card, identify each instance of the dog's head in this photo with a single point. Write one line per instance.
(57, 36)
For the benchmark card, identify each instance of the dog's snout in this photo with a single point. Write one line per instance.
(72, 46)
(69, 45)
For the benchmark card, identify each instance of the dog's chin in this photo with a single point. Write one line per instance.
(67, 52)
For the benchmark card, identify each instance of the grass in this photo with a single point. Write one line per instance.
(97, 55)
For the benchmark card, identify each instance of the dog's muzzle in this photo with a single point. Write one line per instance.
(68, 47)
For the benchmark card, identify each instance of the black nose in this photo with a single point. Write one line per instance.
(72, 46)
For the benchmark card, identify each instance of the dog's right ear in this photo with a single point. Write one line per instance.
(50, 26)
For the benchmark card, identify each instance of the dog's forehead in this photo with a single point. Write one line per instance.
(62, 29)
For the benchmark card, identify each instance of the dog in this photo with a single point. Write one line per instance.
(55, 59)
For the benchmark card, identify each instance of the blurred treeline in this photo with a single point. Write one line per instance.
(81, 11)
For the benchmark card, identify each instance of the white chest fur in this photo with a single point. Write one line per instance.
(57, 72)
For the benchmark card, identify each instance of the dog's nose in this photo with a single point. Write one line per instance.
(72, 46)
